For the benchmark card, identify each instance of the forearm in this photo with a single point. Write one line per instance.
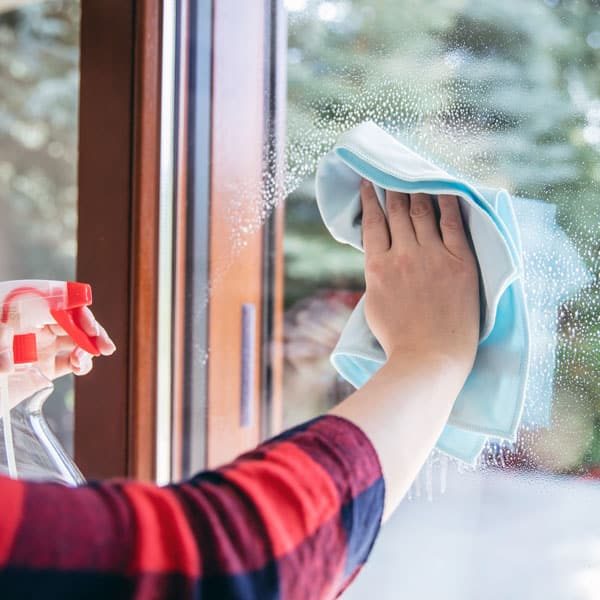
(295, 518)
(403, 410)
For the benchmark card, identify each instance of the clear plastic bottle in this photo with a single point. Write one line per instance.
(28, 448)
(38, 454)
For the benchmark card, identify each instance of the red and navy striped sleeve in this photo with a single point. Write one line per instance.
(294, 518)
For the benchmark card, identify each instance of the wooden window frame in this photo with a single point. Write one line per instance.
(121, 230)
(119, 132)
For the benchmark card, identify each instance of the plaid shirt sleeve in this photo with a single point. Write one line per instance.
(294, 518)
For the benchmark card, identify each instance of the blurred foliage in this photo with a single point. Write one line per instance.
(507, 93)
(39, 79)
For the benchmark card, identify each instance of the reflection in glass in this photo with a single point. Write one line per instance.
(507, 94)
(39, 83)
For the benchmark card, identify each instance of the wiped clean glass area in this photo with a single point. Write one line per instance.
(39, 83)
(506, 94)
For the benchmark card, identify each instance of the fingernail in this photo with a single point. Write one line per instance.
(84, 368)
(419, 207)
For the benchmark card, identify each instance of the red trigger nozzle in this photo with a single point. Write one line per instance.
(78, 294)
(65, 319)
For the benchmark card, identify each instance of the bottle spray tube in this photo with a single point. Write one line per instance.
(7, 426)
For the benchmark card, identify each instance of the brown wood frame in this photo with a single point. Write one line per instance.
(244, 134)
(181, 249)
(236, 271)
(119, 174)
(117, 232)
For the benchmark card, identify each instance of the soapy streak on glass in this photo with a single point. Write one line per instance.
(446, 116)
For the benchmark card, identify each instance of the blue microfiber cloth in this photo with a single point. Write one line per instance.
(491, 401)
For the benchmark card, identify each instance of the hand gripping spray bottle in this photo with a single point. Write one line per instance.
(28, 448)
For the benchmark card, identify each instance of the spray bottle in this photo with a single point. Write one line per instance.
(28, 448)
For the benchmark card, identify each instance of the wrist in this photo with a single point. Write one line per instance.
(432, 362)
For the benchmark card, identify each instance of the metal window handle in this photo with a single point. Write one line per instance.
(248, 363)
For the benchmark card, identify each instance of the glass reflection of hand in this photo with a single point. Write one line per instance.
(57, 354)
(312, 328)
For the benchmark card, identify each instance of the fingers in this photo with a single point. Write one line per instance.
(57, 351)
(62, 365)
(49, 341)
(64, 344)
(452, 227)
(71, 359)
(56, 330)
(376, 236)
(88, 323)
(81, 361)
(105, 345)
(423, 219)
(410, 219)
(401, 227)
(78, 362)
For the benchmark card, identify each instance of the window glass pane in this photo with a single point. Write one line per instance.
(506, 94)
(39, 85)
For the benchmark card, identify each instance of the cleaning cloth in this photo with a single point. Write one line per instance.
(491, 401)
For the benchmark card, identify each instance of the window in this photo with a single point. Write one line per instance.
(182, 262)
(39, 75)
(198, 229)
(507, 94)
